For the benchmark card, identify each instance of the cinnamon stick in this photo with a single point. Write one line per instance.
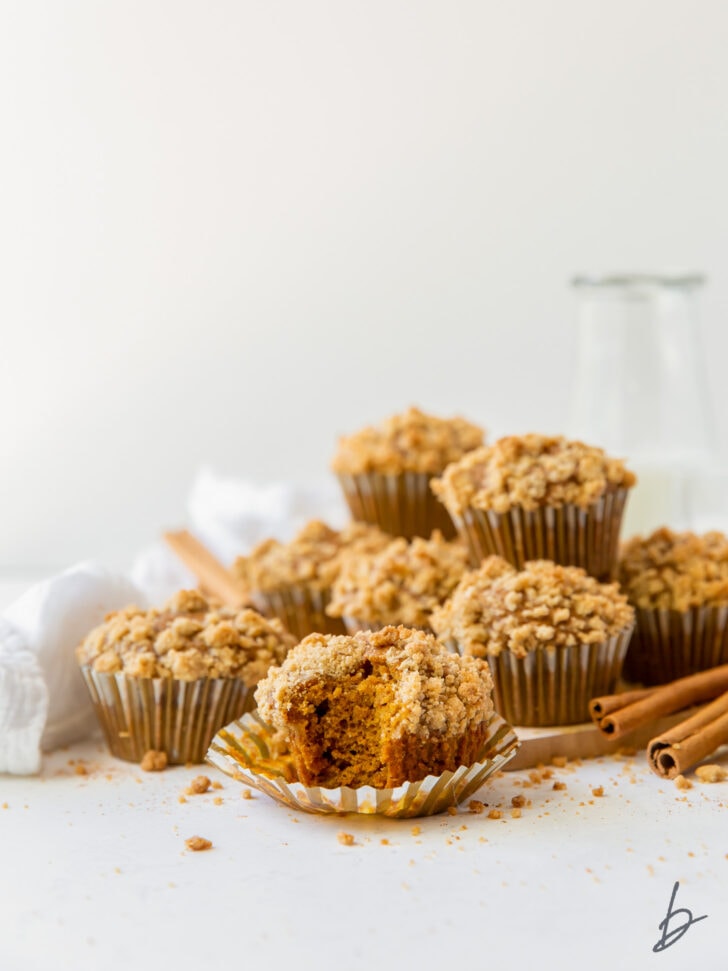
(688, 743)
(616, 715)
(212, 576)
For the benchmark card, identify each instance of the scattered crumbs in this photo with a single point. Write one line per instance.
(384, 841)
(516, 813)
(495, 814)
(411, 863)
(416, 830)
(153, 761)
(198, 785)
(534, 775)
(559, 761)
(650, 869)
(482, 839)
(198, 843)
(247, 794)
(80, 769)
(476, 806)
(6, 806)
(117, 870)
(171, 885)
(109, 777)
(346, 839)
(711, 773)
(598, 791)
(218, 800)
(463, 826)
(558, 786)
(518, 801)
(452, 810)
(682, 783)
(217, 784)
(662, 858)
(690, 853)
(181, 799)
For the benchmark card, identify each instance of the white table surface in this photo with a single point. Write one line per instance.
(94, 873)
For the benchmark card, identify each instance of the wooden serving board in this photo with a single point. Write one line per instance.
(585, 741)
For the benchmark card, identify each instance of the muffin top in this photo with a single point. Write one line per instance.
(187, 639)
(675, 571)
(435, 691)
(497, 608)
(411, 442)
(314, 557)
(530, 471)
(401, 584)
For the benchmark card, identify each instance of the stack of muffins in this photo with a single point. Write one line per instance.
(473, 577)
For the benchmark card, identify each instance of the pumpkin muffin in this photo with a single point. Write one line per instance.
(553, 635)
(292, 581)
(678, 584)
(377, 708)
(166, 680)
(400, 584)
(539, 497)
(385, 470)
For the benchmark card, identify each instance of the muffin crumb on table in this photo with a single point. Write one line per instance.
(199, 785)
(198, 843)
(153, 761)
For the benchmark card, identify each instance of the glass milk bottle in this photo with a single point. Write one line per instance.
(640, 388)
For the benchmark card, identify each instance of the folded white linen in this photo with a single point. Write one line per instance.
(43, 700)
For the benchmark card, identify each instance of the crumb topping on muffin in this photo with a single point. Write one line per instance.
(497, 608)
(530, 471)
(410, 442)
(401, 584)
(429, 690)
(187, 639)
(314, 557)
(675, 571)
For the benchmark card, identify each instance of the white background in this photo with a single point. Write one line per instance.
(230, 231)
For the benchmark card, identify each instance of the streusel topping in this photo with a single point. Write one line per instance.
(435, 691)
(314, 557)
(675, 571)
(187, 639)
(411, 442)
(497, 608)
(530, 471)
(401, 584)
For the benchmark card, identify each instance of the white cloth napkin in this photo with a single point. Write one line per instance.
(43, 700)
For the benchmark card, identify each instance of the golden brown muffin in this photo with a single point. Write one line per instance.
(678, 583)
(400, 584)
(535, 497)
(378, 708)
(553, 636)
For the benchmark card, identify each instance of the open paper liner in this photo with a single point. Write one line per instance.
(246, 751)
(301, 609)
(670, 644)
(569, 535)
(164, 714)
(554, 686)
(402, 505)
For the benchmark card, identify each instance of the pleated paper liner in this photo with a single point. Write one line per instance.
(301, 609)
(554, 686)
(246, 751)
(402, 505)
(569, 535)
(164, 714)
(670, 644)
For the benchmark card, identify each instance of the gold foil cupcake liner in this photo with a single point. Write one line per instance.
(670, 644)
(301, 609)
(401, 505)
(569, 535)
(247, 751)
(553, 687)
(164, 714)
